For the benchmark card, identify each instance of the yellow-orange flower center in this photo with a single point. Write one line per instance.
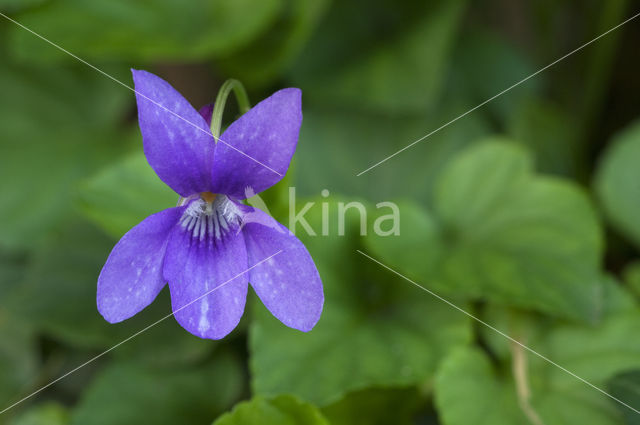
(208, 196)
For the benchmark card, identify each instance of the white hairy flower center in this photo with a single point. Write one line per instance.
(206, 220)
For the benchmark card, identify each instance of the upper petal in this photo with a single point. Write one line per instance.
(288, 283)
(177, 140)
(207, 274)
(132, 276)
(255, 151)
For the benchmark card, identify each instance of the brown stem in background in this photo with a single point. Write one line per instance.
(519, 367)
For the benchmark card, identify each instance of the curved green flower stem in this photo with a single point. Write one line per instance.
(221, 100)
(218, 109)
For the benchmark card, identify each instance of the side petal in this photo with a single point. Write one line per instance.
(255, 151)
(288, 283)
(177, 140)
(211, 265)
(132, 276)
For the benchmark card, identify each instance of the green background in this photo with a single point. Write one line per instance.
(525, 213)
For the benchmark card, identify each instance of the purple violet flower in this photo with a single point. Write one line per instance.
(206, 243)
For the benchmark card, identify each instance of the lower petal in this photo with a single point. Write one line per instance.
(208, 280)
(287, 283)
(132, 276)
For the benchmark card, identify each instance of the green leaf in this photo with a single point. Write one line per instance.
(617, 180)
(549, 133)
(69, 99)
(265, 58)
(486, 63)
(528, 240)
(150, 30)
(123, 194)
(468, 390)
(43, 414)
(336, 145)
(280, 410)
(18, 358)
(133, 394)
(400, 58)
(18, 348)
(499, 232)
(13, 6)
(375, 329)
(631, 276)
(58, 128)
(419, 247)
(616, 297)
(13, 265)
(614, 300)
(626, 387)
(592, 353)
(376, 406)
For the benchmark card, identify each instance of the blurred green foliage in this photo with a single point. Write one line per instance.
(626, 386)
(526, 212)
(365, 312)
(283, 409)
(495, 220)
(618, 182)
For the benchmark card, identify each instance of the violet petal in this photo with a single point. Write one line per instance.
(267, 136)
(194, 267)
(288, 284)
(177, 141)
(132, 276)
